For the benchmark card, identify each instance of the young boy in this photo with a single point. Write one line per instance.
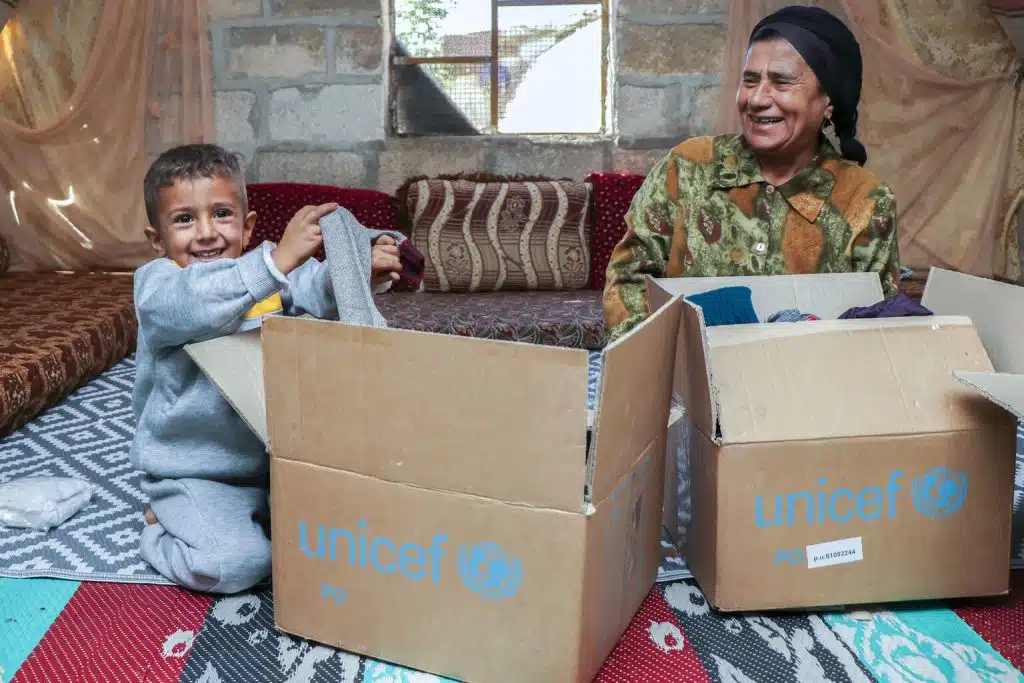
(205, 471)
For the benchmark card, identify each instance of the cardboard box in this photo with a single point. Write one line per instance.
(839, 461)
(433, 501)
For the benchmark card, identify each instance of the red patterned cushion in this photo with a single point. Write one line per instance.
(613, 193)
(276, 203)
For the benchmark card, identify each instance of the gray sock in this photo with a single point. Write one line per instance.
(349, 256)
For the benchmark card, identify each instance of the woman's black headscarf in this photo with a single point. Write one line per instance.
(832, 52)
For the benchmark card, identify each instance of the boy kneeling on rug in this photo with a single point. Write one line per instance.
(206, 471)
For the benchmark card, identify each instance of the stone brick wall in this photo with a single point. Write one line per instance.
(300, 90)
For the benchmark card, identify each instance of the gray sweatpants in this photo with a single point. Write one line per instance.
(209, 536)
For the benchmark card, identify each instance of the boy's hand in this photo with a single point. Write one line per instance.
(385, 262)
(301, 238)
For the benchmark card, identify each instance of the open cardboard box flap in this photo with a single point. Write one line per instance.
(995, 308)
(235, 366)
(827, 294)
(434, 411)
(846, 379)
(761, 383)
(1003, 389)
(633, 397)
(368, 401)
(997, 311)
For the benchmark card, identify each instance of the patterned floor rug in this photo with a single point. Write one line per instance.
(66, 631)
(87, 436)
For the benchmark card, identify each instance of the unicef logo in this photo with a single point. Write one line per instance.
(939, 492)
(487, 569)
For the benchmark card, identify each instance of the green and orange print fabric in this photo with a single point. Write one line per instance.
(705, 210)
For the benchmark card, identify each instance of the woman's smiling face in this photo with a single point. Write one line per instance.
(780, 101)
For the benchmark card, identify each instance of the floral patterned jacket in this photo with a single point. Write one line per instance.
(705, 210)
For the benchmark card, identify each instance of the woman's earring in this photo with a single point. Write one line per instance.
(828, 129)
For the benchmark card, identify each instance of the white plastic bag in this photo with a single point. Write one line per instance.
(42, 503)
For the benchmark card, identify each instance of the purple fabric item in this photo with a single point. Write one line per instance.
(899, 306)
(412, 268)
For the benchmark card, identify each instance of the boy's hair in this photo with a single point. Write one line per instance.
(187, 162)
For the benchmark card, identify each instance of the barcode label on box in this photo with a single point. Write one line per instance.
(831, 553)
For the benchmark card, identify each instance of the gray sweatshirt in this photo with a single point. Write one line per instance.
(184, 427)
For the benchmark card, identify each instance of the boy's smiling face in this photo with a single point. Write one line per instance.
(201, 219)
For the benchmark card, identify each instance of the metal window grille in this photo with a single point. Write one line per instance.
(463, 82)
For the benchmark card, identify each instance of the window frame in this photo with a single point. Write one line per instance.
(395, 60)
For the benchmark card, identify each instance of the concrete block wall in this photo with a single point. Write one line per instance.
(301, 91)
(668, 69)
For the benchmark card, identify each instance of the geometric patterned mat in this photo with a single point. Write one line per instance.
(87, 436)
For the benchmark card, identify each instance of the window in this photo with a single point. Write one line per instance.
(485, 67)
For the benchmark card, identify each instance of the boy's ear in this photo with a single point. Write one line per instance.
(250, 223)
(153, 235)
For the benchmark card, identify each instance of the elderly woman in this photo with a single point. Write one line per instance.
(785, 197)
